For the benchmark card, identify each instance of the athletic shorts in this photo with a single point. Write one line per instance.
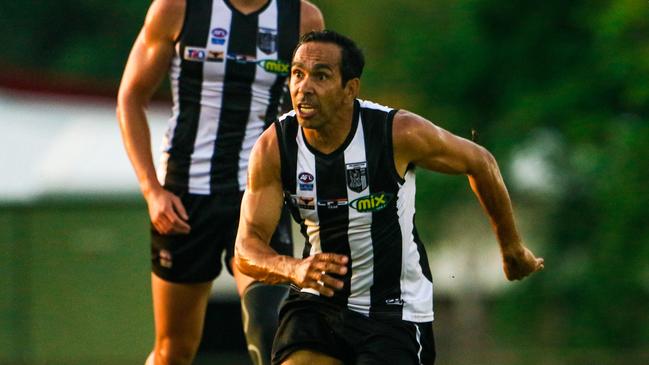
(309, 324)
(196, 257)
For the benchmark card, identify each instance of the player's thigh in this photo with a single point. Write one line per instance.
(179, 309)
(309, 357)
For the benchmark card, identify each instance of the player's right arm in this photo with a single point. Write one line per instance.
(147, 65)
(260, 212)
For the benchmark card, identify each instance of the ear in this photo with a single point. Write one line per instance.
(352, 88)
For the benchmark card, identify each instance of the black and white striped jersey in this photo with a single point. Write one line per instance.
(227, 78)
(353, 202)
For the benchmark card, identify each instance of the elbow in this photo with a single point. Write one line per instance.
(484, 164)
(240, 260)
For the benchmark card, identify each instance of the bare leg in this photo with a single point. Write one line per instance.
(308, 357)
(179, 312)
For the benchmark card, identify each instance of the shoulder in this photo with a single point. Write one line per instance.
(310, 17)
(165, 18)
(265, 166)
(412, 132)
(266, 149)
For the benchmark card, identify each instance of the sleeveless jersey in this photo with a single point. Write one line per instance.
(353, 202)
(227, 77)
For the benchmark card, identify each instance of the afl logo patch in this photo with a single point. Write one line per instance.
(305, 177)
(218, 36)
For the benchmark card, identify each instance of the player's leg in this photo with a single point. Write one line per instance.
(309, 333)
(179, 312)
(260, 302)
(389, 341)
(308, 357)
(427, 339)
(259, 312)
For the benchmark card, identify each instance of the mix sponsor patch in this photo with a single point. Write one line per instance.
(278, 67)
(275, 66)
(357, 176)
(372, 202)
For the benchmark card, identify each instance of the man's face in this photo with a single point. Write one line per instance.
(315, 84)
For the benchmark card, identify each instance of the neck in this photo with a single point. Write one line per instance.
(333, 134)
(248, 6)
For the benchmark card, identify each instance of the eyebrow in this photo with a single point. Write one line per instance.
(317, 67)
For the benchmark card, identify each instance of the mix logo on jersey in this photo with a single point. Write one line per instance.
(372, 202)
(269, 65)
(275, 66)
(267, 40)
(357, 176)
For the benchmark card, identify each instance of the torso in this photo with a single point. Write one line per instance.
(352, 201)
(227, 77)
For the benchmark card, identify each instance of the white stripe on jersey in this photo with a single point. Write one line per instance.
(372, 105)
(416, 290)
(306, 197)
(211, 95)
(260, 95)
(359, 233)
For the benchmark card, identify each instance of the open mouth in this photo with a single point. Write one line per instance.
(306, 110)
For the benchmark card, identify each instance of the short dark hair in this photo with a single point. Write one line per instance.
(352, 59)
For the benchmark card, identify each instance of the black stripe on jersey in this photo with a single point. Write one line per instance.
(288, 24)
(423, 257)
(386, 230)
(286, 133)
(189, 93)
(235, 103)
(334, 218)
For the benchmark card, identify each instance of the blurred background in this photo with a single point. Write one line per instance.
(558, 91)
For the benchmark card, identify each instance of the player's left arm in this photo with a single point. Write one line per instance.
(311, 18)
(418, 141)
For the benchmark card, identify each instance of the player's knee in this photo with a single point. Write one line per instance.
(176, 351)
(260, 307)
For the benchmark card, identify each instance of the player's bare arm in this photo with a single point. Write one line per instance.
(260, 212)
(311, 18)
(147, 64)
(420, 142)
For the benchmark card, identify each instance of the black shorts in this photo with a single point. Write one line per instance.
(196, 257)
(306, 323)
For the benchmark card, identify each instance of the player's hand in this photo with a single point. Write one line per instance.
(167, 212)
(316, 272)
(520, 263)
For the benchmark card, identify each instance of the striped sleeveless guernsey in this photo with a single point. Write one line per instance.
(227, 77)
(353, 202)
